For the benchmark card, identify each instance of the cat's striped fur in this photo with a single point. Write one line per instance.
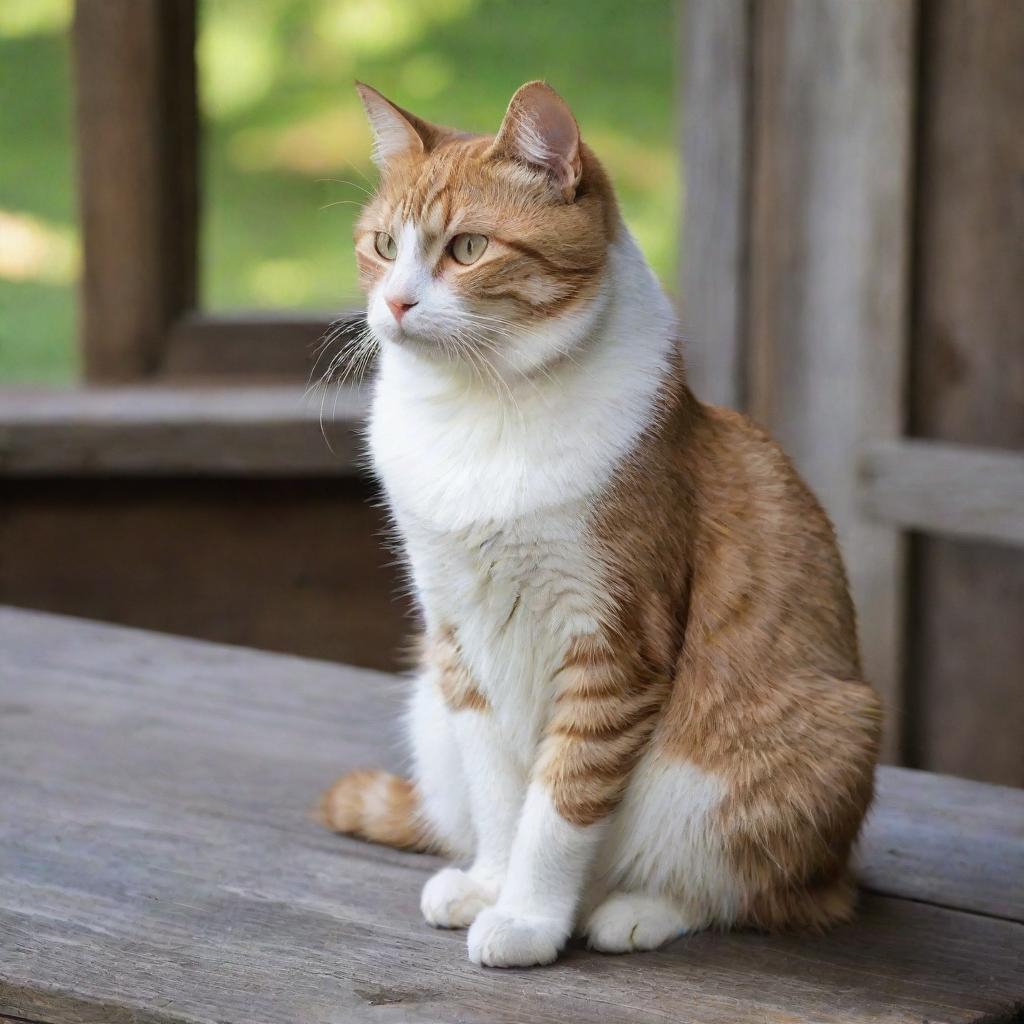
(640, 710)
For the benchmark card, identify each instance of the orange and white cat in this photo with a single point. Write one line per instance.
(640, 710)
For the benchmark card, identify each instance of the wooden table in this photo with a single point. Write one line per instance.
(159, 863)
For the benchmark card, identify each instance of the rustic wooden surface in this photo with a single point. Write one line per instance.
(137, 157)
(300, 566)
(968, 377)
(801, 139)
(179, 431)
(955, 490)
(248, 345)
(715, 103)
(160, 865)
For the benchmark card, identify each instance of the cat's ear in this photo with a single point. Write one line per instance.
(396, 132)
(539, 129)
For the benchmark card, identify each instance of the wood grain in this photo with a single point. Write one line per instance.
(160, 865)
(244, 346)
(174, 431)
(300, 566)
(958, 490)
(968, 378)
(829, 273)
(137, 155)
(924, 836)
(715, 101)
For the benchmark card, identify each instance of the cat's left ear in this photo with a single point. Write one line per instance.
(539, 129)
(396, 132)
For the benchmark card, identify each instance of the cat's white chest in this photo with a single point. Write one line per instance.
(492, 508)
(516, 593)
(493, 490)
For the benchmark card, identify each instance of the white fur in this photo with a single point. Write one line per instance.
(548, 866)
(493, 485)
(455, 454)
(530, 141)
(436, 761)
(453, 898)
(408, 277)
(627, 922)
(661, 839)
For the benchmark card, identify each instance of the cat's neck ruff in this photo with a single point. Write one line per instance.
(455, 452)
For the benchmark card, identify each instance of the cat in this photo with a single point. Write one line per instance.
(640, 709)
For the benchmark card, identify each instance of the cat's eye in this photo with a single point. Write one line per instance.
(467, 249)
(385, 245)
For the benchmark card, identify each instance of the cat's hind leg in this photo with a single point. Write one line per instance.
(627, 922)
(661, 872)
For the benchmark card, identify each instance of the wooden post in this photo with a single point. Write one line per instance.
(136, 114)
(968, 378)
(829, 297)
(715, 101)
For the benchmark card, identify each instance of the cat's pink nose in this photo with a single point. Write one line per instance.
(399, 308)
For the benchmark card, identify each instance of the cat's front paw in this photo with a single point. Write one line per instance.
(453, 898)
(500, 939)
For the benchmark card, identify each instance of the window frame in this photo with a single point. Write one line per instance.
(138, 130)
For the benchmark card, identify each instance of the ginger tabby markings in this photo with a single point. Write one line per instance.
(640, 709)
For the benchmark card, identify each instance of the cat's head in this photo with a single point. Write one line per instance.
(485, 248)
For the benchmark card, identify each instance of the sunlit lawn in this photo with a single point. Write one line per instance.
(38, 247)
(285, 144)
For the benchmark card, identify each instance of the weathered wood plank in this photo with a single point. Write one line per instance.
(137, 127)
(829, 269)
(295, 565)
(161, 431)
(967, 375)
(160, 865)
(245, 346)
(947, 841)
(715, 102)
(949, 489)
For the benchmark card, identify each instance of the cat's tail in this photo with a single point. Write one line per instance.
(377, 806)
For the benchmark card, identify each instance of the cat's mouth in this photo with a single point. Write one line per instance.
(407, 336)
(423, 337)
(423, 343)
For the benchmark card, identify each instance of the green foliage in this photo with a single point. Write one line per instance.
(37, 294)
(285, 146)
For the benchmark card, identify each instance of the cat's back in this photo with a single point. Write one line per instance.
(711, 519)
(767, 558)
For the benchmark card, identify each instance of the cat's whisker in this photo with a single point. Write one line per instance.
(340, 202)
(319, 352)
(344, 181)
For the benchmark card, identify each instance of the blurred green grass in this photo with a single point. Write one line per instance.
(285, 146)
(38, 242)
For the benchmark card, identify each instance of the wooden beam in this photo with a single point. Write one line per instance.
(245, 345)
(829, 296)
(918, 864)
(715, 100)
(947, 489)
(173, 431)
(293, 564)
(968, 378)
(137, 125)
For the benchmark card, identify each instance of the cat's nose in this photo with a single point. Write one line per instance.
(399, 307)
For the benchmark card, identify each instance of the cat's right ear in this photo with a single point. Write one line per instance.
(539, 129)
(396, 132)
